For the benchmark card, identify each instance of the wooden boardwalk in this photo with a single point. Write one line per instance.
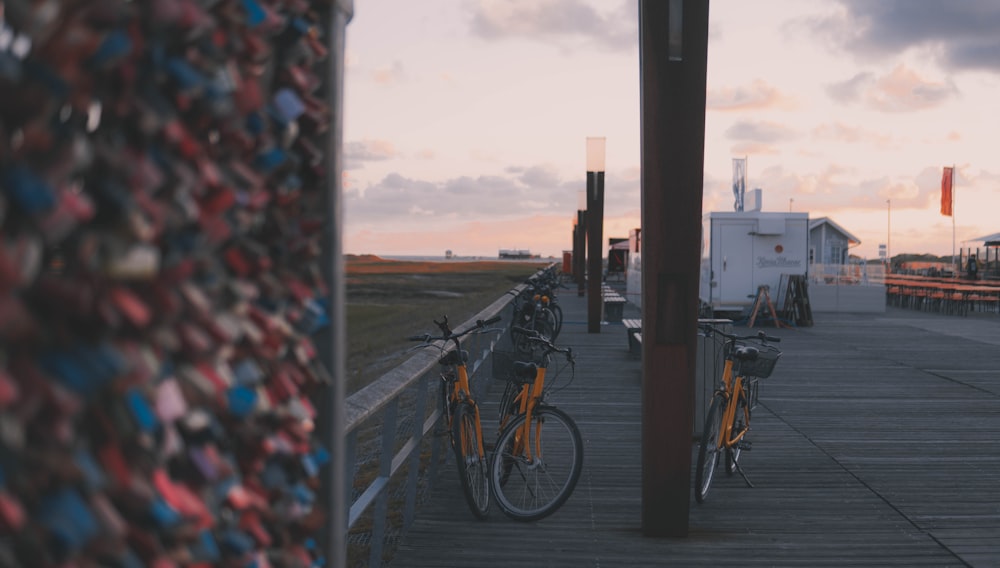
(877, 443)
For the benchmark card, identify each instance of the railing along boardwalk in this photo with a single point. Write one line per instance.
(877, 443)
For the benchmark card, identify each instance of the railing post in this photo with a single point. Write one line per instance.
(384, 473)
(412, 475)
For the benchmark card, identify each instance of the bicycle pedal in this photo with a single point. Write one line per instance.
(745, 446)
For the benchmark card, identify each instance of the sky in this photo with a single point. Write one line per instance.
(466, 120)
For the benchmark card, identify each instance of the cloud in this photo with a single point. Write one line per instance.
(959, 35)
(555, 20)
(840, 132)
(402, 202)
(358, 152)
(389, 75)
(901, 90)
(851, 90)
(758, 96)
(760, 132)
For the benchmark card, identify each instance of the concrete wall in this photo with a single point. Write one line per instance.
(847, 299)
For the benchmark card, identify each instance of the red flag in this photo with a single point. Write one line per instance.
(946, 197)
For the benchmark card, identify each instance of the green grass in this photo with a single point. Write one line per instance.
(388, 301)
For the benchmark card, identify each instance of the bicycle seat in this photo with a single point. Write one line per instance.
(746, 353)
(524, 372)
(455, 358)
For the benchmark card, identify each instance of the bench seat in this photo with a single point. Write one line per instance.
(633, 331)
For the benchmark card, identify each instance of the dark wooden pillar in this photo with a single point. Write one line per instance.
(673, 38)
(580, 251)
(595, 238)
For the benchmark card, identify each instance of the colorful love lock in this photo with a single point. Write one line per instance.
(159, 277)
(69, 521)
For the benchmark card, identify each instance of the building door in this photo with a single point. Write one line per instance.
(734, 267)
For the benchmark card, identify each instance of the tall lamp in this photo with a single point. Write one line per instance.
(595, 226)
(580, 244)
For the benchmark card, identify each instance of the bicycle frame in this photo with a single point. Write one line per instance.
(461, 391)
(732, 389)
(527, 399)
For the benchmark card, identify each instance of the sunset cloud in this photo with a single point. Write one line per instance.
(903, 90)
(546, 20)
(473, 117)
(961, 36)
(389, 75)
(840, 132)
(358, 152)
(900, 90)
(759, 95)
(760, 131)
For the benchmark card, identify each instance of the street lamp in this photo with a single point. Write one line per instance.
(595, 226)
(888, 236)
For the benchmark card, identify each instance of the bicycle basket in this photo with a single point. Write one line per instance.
(763, 365)
(503, 366)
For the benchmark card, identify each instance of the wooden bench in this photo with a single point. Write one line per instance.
(633, 330)
(614, 305)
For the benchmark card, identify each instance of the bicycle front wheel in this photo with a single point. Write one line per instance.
(472, 464)
(535, 470)
(558, 314)
(708, 450)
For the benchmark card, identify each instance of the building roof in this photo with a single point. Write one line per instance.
(851, 239)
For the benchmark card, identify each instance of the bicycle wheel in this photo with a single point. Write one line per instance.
(532, 489)
(708, 450)
(545, 323)
(558, 313)
(473, 467)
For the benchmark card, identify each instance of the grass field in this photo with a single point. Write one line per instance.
(388, 300)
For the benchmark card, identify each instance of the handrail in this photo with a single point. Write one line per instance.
(375, 411)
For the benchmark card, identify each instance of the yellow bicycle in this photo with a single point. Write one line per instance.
(728, 420)
(460, 414)
(539, 452)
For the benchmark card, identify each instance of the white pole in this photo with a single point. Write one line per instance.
(888, 236)
(954, 266)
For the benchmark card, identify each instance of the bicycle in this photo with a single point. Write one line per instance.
(728, 420)
(533, 474)
(533, 310)
(460, 414)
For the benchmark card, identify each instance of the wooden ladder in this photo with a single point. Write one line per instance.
(764, 299)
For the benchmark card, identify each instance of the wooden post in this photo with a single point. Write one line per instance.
(673, 45)
(580, 251)
(595, 238)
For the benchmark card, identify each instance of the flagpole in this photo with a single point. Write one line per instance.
(954, 266)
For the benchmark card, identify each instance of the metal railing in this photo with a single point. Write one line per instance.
(847, 274)
(392, 453)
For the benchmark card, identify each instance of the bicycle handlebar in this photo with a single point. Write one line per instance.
(533, 335)
(447, 333)
(709, 329)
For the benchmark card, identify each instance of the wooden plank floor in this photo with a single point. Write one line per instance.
(877, 443)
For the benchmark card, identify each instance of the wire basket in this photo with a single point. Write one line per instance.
(503, 366)
(763, 365)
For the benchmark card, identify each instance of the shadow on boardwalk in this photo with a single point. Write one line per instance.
(875, 444)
